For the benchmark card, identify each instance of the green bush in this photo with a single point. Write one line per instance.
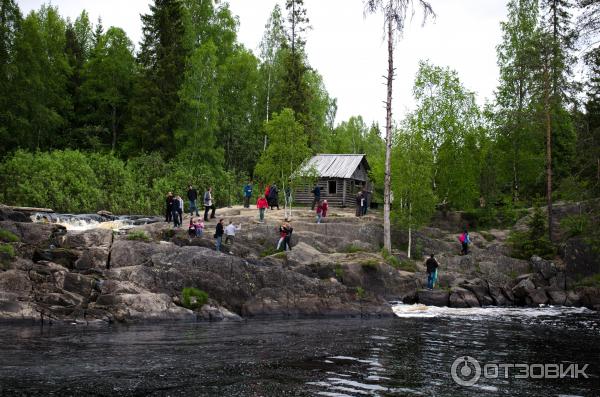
(8, 237)
(339, 271)
(490, 217)
(575, 225)
(487, 236)
(139, 235)
(360, 292)
(268, 251)
(193, 298)
(7, 251)
(534, 241)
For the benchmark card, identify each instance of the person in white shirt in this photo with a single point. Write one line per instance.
(230, 233)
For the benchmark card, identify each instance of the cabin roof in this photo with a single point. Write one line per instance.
(336, 165)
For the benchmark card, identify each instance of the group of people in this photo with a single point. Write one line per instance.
(175, 207)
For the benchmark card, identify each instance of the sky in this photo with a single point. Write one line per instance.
(347, 48)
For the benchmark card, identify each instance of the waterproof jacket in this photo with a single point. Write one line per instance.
(192, 194)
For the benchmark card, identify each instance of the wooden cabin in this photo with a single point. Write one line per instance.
(341, 176)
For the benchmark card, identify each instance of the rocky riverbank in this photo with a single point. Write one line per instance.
(335, 269)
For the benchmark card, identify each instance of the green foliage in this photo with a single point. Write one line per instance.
(7, 250)
(407, 265)
(268, 251)
(8, 236)
(575, 225)
(193, 298)
(360, 292)
(138, 235)
(591, 281)
(487, 236)
(490, 217)
(391, 260)
(534, 241)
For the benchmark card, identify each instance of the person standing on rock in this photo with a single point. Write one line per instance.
(169, 208)
(208, 204)
(267, 192)
(359, 201)
(262, 205)
(288, 236)
(273, 197)
(192, 195)
(175, 212)
(180, 209)
(219, 235)
(247, 194)
(285, 231)
(431, 264)
(365, 202)
(230, 234)
(465, 240)
(316, 196)
(322, 210)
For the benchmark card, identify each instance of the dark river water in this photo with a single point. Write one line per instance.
(411, 355)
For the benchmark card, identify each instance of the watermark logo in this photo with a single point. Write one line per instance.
(466, 371)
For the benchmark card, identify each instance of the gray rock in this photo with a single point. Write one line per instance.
(498, 296)
(433, 298)
(536, 297)
(216, 313)
(481, 290)
(523, 288)
(556, 297)
(462, 298)
(546, 268)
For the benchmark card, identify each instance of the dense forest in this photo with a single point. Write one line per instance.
(90, 121)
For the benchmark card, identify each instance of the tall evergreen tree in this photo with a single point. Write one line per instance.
(10, 21)
(162, 57)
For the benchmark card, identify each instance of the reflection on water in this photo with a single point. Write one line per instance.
(407, 356)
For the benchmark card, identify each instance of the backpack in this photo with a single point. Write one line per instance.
(462, 238)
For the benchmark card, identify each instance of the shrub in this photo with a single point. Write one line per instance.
(389, 258)
(8, 237)
(139, 235)
(575, 225)
(360, 292)
(193, 298)
(339, 271)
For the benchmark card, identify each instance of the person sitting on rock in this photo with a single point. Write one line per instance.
(285, 232)
(191, 229)
(431, 264)
(199, 227)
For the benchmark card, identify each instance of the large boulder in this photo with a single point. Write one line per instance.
(589, 297)
(545, 268)
(536, 297)
(481, 290)
(8, 214)
(462, 298)
(142, 306)
(433, 297)
(580, 258)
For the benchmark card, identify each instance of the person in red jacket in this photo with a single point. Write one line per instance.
(322, 208)
(262, 205)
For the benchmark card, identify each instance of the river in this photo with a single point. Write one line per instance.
(410, 355)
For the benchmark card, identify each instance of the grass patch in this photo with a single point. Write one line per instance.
(487, 236)
(352, 249)
(390, 259)
(407, 266)
(192, 298)
(138, 235)
(168, 234)
(8, 237)
(591, 281)
(268, 251)
(7, 250)
(369, 265)
(280, 255)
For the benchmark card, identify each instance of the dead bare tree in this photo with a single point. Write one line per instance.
(394, 14)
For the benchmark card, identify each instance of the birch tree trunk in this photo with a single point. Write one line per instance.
(387, 237)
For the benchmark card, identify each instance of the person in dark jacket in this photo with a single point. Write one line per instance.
(176, 207)
(192, 195)
(359, 201)
(273, 197)
(316, 196)
(169, 207)
(367, 199)
(219, 235)
(247, 194)
(431, 264)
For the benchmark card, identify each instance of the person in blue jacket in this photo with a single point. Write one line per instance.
(247, 194)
